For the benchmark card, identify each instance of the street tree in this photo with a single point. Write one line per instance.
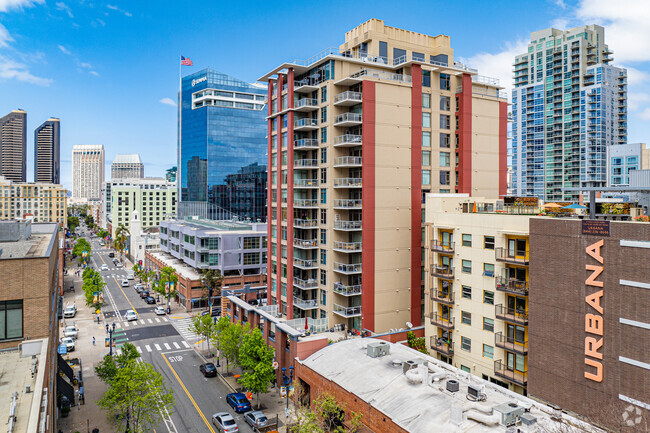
(93, 286)
(212, 281)
(205, 326)
(256, 360)
(229, 341)
(80, 246)
(89, 221)
(137, 270)
(73, 223)
(219, 328)
(121, 238)
(102, 233)
(166, 284)
(107, 368)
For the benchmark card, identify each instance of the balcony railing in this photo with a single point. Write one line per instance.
(305, 224)
(347, 247)
(307, 123)
(347, 182)
(347, 204)
(305, 264)
(347, 161)
(442, 345)
(442, 246)
(517, 257)
(344, 290)
(511, 344)
(348, 140)
(306, 104)
(306, 143)
(511, 314)
(348, 119)
(305, 163)
(305, 183)
(347, 268)
(305, 304)
(305, 243)
(442, 322)
(446, 298)
(305, 284)
(347, 225)
(348, 98)
(347, 311)
(444, 272)
(305, 85)
(514, 376)
(305, 203)
(511, 285)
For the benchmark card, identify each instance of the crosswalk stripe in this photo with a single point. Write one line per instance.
(157, 347)
(165, 319)
(126, 324)
(176, 345)
(142, 321)
(185, 344)
(150, 321)
(166, 346)
(157, 320)
(139, 350)
(148, 348)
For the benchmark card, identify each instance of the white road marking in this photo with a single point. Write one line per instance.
(157, 320)
(150, 321)
(139, 350)
(141, 321)
(167, 346)
(165, 319)
(126, 324)
(185, 344)
(176, 345)
(157, 347)
(148, 348)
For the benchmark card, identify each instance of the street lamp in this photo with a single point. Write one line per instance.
(286, 380)
(110, 330)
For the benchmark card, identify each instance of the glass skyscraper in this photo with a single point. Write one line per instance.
(222, 151)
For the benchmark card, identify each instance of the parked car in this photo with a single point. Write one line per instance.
(256, 418)
(144, 294)
(71, 331)
(138, 287)
(150, 300)
(239, 402)
(214, 311)
(69, 343)
(225, 422)
(118, 264)
(131, 316)
(125, 283)
(130, 276)
(104, 267)
(208, 369)
(111, 254)
(70, 311)
(160, 311)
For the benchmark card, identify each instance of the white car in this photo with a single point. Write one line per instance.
(104, 267)
(130, 276)
(118, 264)
(69, 343)
(131, 316)
(125, 283)
(225, 422)
(160, 311)
(71, 331)
(70, 311)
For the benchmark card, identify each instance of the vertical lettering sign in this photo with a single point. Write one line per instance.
(594, 322)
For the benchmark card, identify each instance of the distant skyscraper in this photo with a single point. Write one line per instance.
(568, 107)
(13, 146)
(87, 171)
(170, 174)
(127, 166)
(223, 131)
(47, 152)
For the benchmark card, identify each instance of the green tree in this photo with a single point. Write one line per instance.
(102, 233)
(73, 223)
(166, 285)
(93, 283)
(107, 368)
(229, 340)
(80, 246)
(121, 238)
(137, 270)
(203, 325)
(416, 343)
(90, 221)
(327, 415)
(212, 279)
(256, 361)
(222, 324)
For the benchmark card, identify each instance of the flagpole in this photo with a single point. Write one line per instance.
(180, 136)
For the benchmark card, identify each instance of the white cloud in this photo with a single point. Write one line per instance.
(10, 69)
(5, 37)
(64, 50)
(100, 22)
(7, 5)
(117, 9)
(95, 73)
(560, 3)
(85, 65)
(168, 101)
(64, 7)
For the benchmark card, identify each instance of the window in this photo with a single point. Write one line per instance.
(488, 270)
(466, 317)
(488, 297)
(445, 83)
(323, 257)
(251, 243)
(323, 195)
(467, 292)
(426, 78)
(444, 140)
(323, 277)
(323, 115)
(445, 103)
(426, 100)
(488, 324)
(426, 157)
(488, 351)
(488, 242)
(467, 240)
(426, 177)
(444, 159)
(251, 258)
(323, 155)
(11, 319)
(284, 142)
(323, 297)
(467, 266)
(426, 120)
(323, 216)
(323, 94)
(323, 236)
(466, 344)
(445, 121)
(323, 175)
(444, 178)
(465, 369)
(426, 139)
(323, 135)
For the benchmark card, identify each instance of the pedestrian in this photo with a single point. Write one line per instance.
(93, 341)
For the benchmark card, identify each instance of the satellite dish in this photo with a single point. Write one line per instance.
(409, 325)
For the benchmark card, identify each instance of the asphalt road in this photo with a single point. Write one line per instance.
(161, 344)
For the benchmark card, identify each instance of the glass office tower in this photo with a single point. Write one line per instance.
(222, 151)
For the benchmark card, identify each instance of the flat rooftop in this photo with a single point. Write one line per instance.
(182, 268)
(424, 405)
(38, 244)
(219, 226)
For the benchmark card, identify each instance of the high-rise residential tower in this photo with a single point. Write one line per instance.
(222, 148)
(170, 174)
(47, 152)
(13, 146)
(356, 137)
(87, 171)
(569, 105)
(127, 166)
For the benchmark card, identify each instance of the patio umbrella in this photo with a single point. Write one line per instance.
(551, 205)
(575, 206)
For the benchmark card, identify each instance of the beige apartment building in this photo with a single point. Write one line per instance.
(356, 137)
(477, 259)
(41, 202)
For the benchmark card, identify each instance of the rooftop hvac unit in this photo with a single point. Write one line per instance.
(510, 413)
(528, 419)
(377, 349)
(453, 385)
(474, 391)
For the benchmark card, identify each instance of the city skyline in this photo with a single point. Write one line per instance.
(48, 77)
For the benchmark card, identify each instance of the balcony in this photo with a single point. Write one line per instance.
(516, 257)
(511, 285)
(304, 86)
(348, 140)
(347, 225)
(442, 345)
(305, 183)
(510, 344)
(306, 124)
(305, 224)
(347, 182)
(305, 244)
(347, 311)
(347, 204)
(305, 163)
(305, 264)
(342, 289)
(444, 272)
(442, 322)
(446, 298)
(347, 268)
(306, 104)
(511, 315)
(305, 144)
(348, 119)
(305, 304)
(347, 247)
(348, 98)
(514, 376)
(305, 284)
(442, 246)
(305, 204)
(347, 161)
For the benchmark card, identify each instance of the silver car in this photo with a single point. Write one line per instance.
(256, 418)
(224, 422)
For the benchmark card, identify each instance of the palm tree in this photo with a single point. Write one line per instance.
(120, 239)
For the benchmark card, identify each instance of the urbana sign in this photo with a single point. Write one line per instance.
(199, 80)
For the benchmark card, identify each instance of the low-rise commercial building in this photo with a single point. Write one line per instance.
(42, 202)
(624, 158)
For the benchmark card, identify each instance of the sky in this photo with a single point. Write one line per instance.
(110, 70)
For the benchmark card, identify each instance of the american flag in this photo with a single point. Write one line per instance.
(186, 61)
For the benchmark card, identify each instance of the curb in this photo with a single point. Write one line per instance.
(223, 379)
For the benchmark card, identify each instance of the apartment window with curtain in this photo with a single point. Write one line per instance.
(444, 178)
(488, 297)
(488, 324)
(444, 159)
(467, 292)
(426, 139)
(466, 344)
(426, 177)
(445, 103)
(426, 120)
(488, 351)
(426, 100)
(444, 140)
(467, 240)
(466, 317)
(488, 269)
(445, 82)
(426, 157)
(445, 121)
(466, 266)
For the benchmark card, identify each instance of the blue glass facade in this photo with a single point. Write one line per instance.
(222, 153)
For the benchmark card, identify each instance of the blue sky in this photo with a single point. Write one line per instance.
(109, 70)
